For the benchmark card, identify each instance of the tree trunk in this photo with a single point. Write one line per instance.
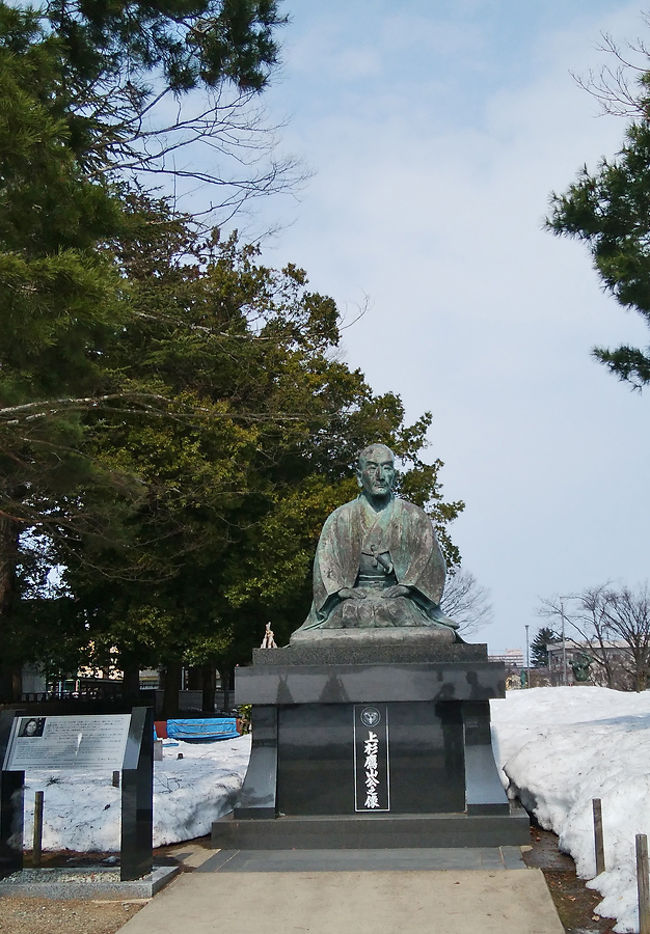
(10, 668)
(641, 677)
(194, 680)
(171, 687)
(208, 686)
(226, 675)
(131, 678)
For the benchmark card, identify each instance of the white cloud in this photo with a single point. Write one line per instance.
(429, 197)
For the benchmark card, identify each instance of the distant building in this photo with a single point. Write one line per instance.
(33, 680)
(513, 658)
(573, 662)
(515, 665)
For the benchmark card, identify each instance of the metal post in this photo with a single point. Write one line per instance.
(527, 660)
(563, 644)
(37, 848)
(599, 843)
(643, 888)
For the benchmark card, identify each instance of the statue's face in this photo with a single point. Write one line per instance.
(376, 472)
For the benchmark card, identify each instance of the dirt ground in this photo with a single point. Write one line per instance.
(575, 904)
(29, 915)
(37, 916)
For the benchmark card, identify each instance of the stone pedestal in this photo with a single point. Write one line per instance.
(379, 742)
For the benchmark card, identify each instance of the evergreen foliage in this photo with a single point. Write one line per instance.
(228, 430)
(175, 423)
(609, 210)
(538, 651)
(76, 84)
(263, 429)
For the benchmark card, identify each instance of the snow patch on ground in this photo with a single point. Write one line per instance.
(82, 810)
(561, 747)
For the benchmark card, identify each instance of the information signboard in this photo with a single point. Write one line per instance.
(83, 742)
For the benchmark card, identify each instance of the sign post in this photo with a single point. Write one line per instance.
(112, 742)
(12, 790)
(137, 797)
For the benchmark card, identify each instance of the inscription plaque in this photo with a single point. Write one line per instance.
(371, 758)
(87, 742)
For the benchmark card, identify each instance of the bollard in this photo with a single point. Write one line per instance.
(37, 848)
(642, 883)
(116, 778)
(599, 843)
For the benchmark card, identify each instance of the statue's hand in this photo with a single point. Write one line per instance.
(348, 593)
(397, 590)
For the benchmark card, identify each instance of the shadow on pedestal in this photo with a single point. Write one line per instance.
(390, 749)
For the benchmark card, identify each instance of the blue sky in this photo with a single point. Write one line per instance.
(435, 133)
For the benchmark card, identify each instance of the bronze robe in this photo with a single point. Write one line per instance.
(401, 530)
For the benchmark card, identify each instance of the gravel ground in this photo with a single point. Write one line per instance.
(22, 914)
(39, 916)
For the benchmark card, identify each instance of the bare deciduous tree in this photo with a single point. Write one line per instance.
(618, 86)
(628, 612)
(466, 601)
(219, 143)
(613, 626)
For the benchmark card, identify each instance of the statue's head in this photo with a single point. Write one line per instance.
(376, 471)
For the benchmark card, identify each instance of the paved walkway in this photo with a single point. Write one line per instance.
(473, 891)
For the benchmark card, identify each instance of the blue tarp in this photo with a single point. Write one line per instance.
(165, 744)
(202, 730)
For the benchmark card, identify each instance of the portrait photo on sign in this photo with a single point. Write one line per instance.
(31, 726)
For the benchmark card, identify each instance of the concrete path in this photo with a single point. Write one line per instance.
(227, 892)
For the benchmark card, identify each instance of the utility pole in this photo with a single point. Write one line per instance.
(563, 642)
(527, 659)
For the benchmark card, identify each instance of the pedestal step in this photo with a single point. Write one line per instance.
(376, 831)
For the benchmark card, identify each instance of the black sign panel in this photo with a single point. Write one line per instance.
(371, 759)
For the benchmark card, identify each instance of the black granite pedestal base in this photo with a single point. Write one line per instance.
(407, 831)
(391, 750)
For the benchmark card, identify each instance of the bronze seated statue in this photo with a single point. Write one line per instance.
(378, 563)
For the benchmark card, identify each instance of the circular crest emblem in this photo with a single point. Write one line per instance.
(370, 716)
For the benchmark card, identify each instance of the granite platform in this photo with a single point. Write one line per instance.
(91, 883)
(362, 742)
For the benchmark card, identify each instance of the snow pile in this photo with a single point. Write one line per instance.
(82, 810)
(558, 747)
(562, 747)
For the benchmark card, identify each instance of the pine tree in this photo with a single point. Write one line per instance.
(263, 429)
(538, 651)
(609, 210)
(76, 81)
